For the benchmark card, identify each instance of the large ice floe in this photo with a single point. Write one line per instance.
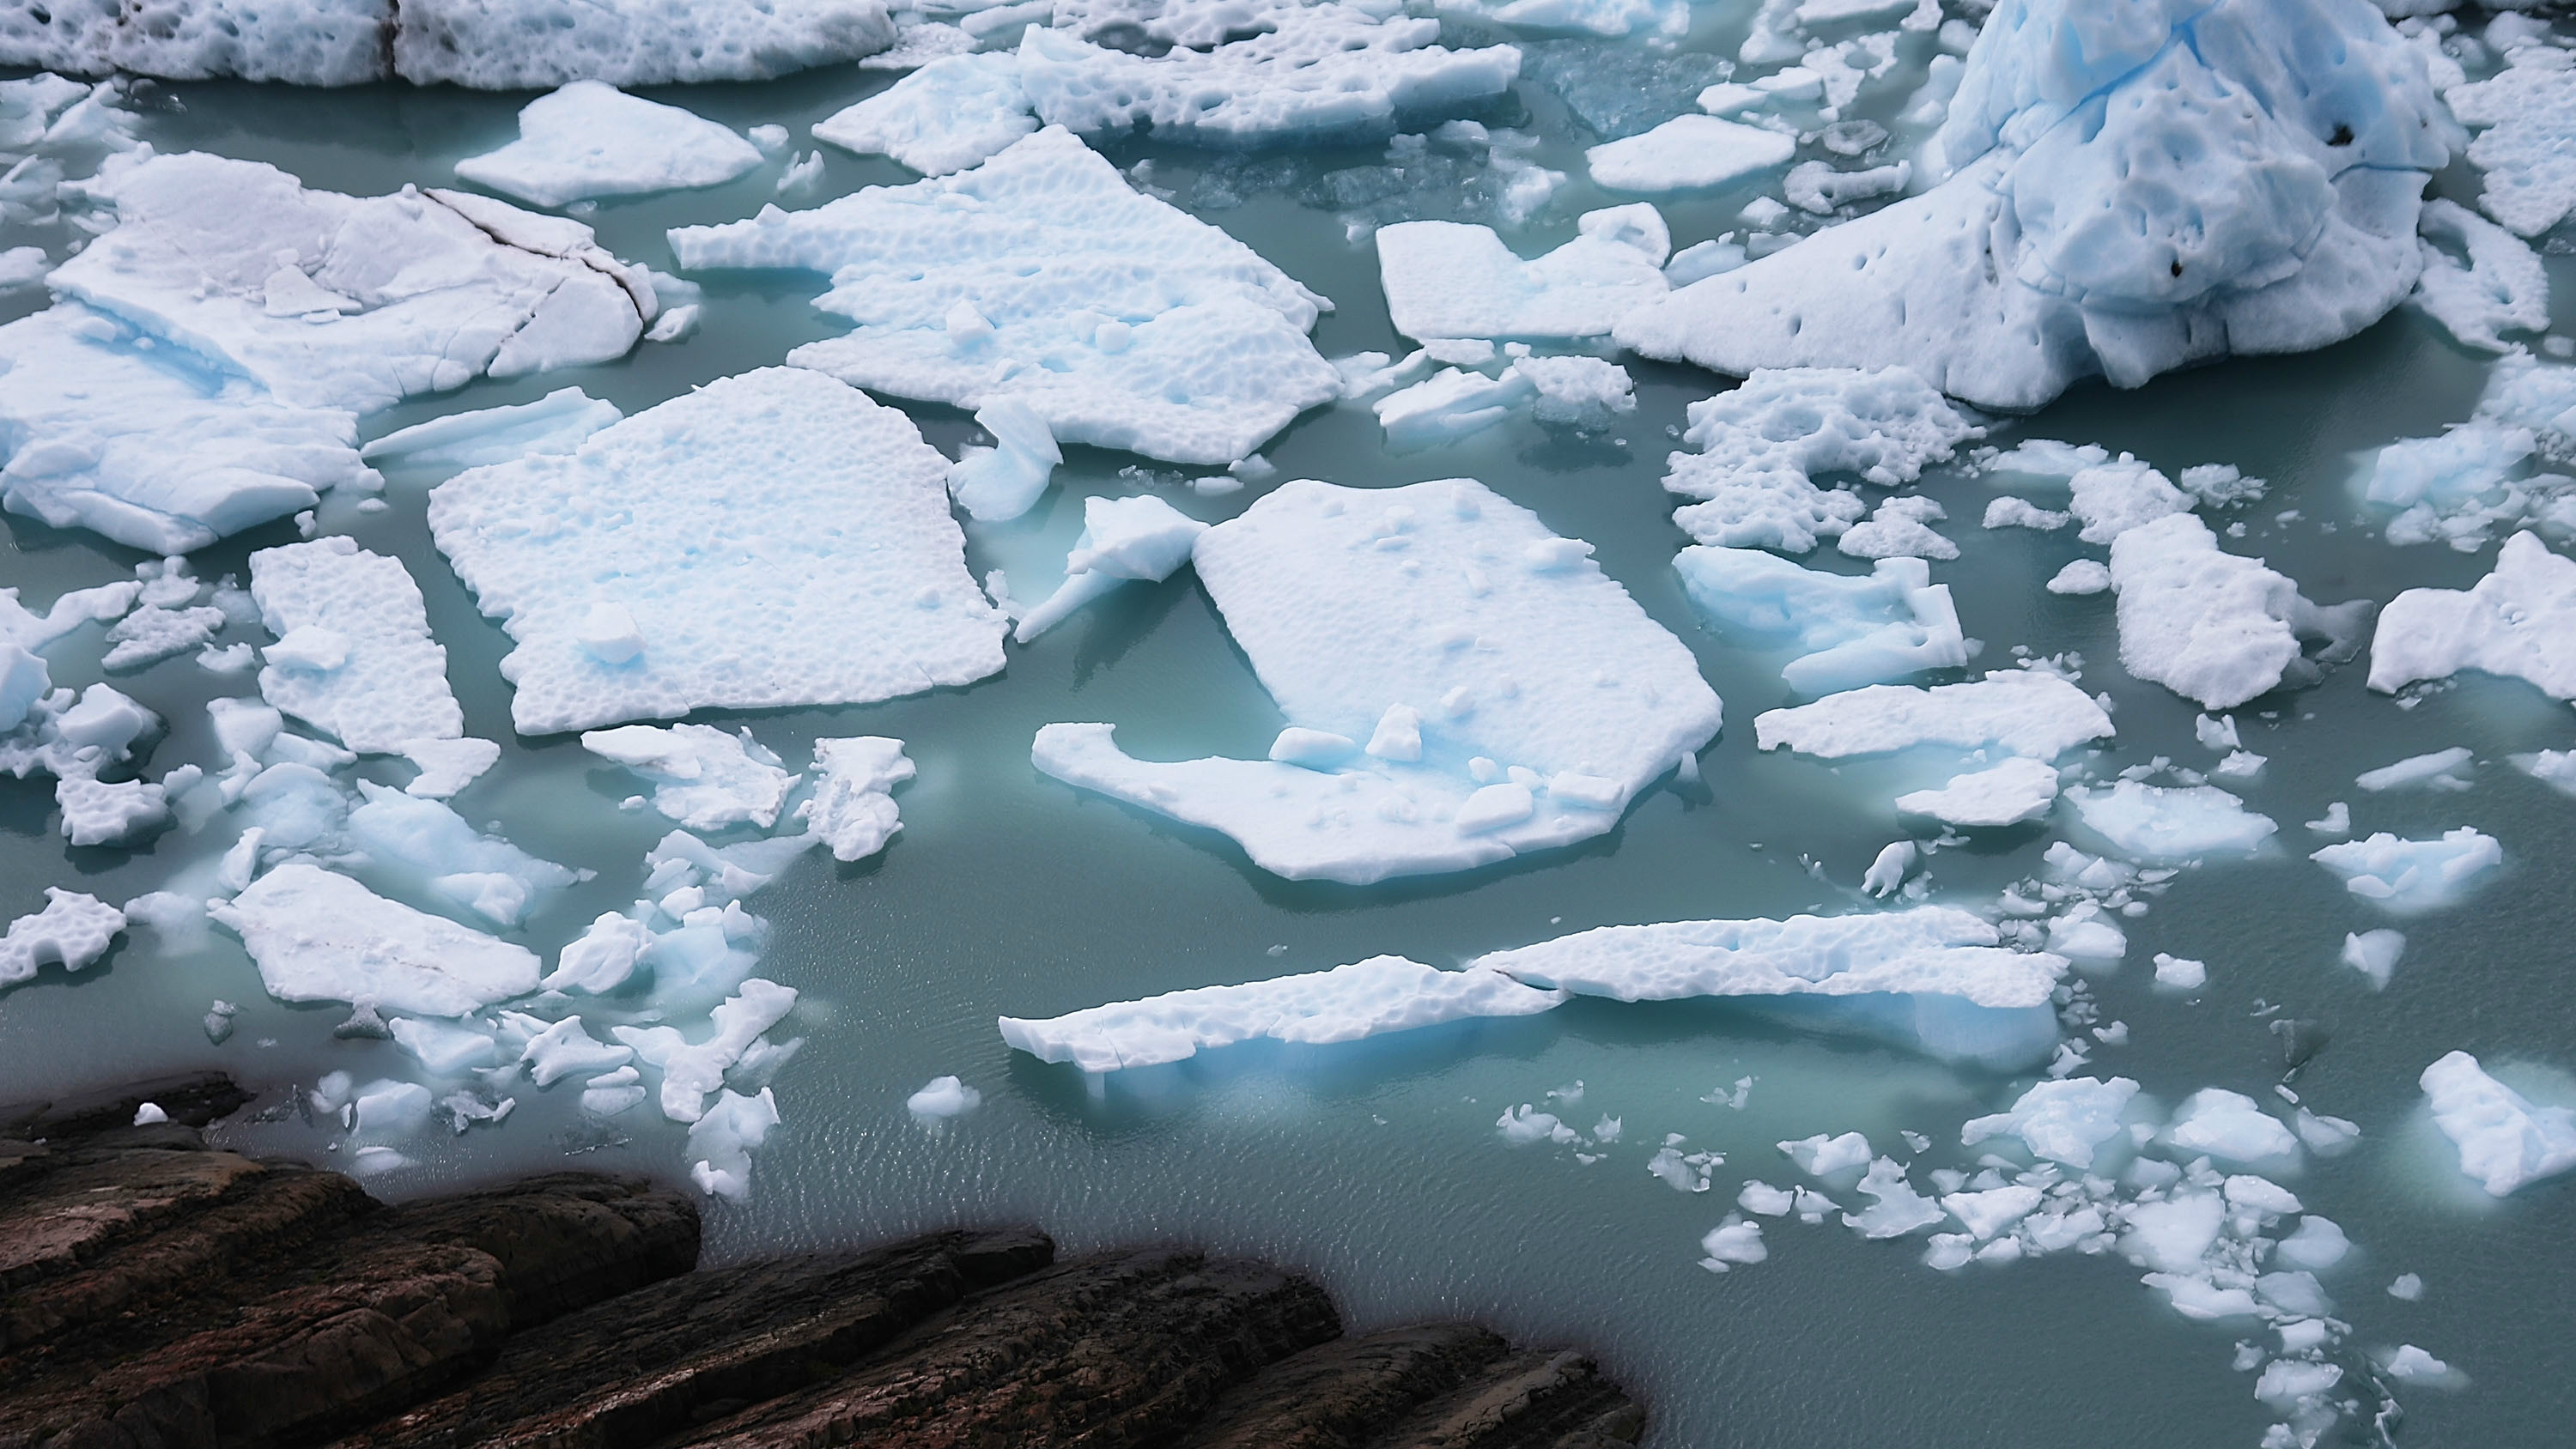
(1041, 276)
(319, 936)
(1847, 630)
(2504, 1140)
(2019, 712)
(2519, 621)
(1933, 977)
(203, 367)
(1348, 1003)
(1461, 686)
(1757, 451)
(2122, 189)
(486, 44)
(590, 139)
(770, 539)
(2209, 625)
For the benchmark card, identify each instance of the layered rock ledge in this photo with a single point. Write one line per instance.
(155, 1291)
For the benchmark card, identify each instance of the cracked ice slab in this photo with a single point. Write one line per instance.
(319, 936)
(371, 674)
(1934, 976)
(1367, 998)
(2121, 192)
(772, 539)
(1511, 696)
(1042, 276)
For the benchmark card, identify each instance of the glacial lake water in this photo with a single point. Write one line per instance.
(1377, 1166)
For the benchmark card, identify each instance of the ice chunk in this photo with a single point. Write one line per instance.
(2519, 621)
(2006, 794)
(1932, 977)
(97, 813)
(439, 288)
(998, 484)
(591, 139)
(1760, 447)
(1733, 1241)
(943, 1098)
(319, 43)
(1579, 392)
(2023, 712)
(946, 116)
(778, 538)
(2180, 973)
(447, 766)
(721, 1142)
(1369, 998)
(702, 777)
(1823, 1156)
(853, 807)
(1448, 279)
(2208, 625)
(1896, 1209)
(602, 957)
(555, 423)
(2156, 825)
(2524, 112)
(556, 1050)
(2122, 193)
(73, 928)
(1688, 152)
(2406, 876)
(2503, 288)
(484, 874)
(1160, 334)
(2504, 1140)
(2068, 1120)
(514, 45)
(1848, 631)
(1141, 537)
(2439, 767)
(319, 936)
(442, 1049)
(690, 1070)
(2318, 1244)
(1901, 528)
(1444, 624)
(1992, 1210)
(2228, 1126)
(387, 686)
(1889, 869)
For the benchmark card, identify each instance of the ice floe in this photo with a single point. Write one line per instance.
(555, 423)
(74, 930)
(1041, 275)
(590, 139)
(320, 936)
(702, 778)
(1447, 279)
(1759, 448)
(2406, 876)
(1688, 153)
(1368, 998)
(2504, 1140)
(2501, 288)
(2023, 712)
(353, 654)
(2066, 1121)
(1511, 695)
(2069, 235)
(1848, 630)
(2006, 794)
(852, 808)
(1141, 538)
(2169, 825)
(2209, 625)
(2522, 114)
(707, 552)
(946, 116)
(2519, 621)
(2374, 954)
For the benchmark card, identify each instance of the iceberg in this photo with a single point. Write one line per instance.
(591, 139)
(771, 539)
(1759, 448)
(702, 778)
(1934, 976)
(1367, 998)
(852, 808)
(1041, 275)
(353, 654)
(2504, 1140)
(1848, 630)
(1447, 279)
(720, 1142)
(2519, 621)
(2017, 790)
(2121, 191)
(74, 929)
(1513, 697)
(2157, 825)
(320, 936)
(1140, 538)
(2406, 876)
(946, 116)
(2210, 626)
(2022, 712)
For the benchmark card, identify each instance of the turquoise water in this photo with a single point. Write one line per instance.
(1377, 1165)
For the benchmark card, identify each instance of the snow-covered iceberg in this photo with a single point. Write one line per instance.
(1041, 275)
(1933, 976)
(770, 539)
(1367, 998)
(2123, 189)
(1461, 685)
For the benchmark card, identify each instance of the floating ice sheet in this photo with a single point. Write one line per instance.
(702, 777)
(2523, 114)
(2265, 160)
(2006, 794)
(2406, 876)
(1688, 153)
(2021, 711)
(320, 936)
(2155, 824)
(771, 539)
(2518, 621)
(1042, 275)
(946, 116)
(1367, 998)
(590, 139)
(1448, 279)
(2502, 287)
(2504, 1140)
(2210, 626)
(1510, 695)
(354, 654)
(1850, 630)
(74, 929)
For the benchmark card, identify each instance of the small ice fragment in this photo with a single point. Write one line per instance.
(2406, 1286)
(943, 1098)
(1823, 1156)
(1732, 1241)
(2374, 954)
(2179, 973)
(149, 1114)
(2440, 769)
(2083, 576)
(1888, 871)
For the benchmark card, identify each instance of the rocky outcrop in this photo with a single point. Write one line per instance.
(158, 1292)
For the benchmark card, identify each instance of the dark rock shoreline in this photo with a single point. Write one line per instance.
(156, 1293)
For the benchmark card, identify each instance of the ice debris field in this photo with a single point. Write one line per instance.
(1751, 656)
